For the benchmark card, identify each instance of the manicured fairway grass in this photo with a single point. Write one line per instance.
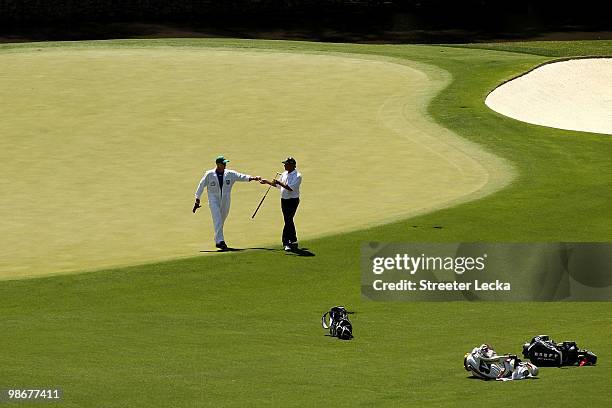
(242, 329)
(551, 48)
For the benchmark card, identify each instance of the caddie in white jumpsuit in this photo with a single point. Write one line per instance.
(218, 183)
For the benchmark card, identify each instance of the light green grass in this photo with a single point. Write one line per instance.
(243, 329)
(115, 140)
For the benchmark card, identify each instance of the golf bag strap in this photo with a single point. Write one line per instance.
(324, 322)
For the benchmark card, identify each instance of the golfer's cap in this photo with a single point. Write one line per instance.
(221, 159)
(289, 160)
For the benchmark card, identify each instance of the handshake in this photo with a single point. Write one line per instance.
(264, 181)
(273, 183)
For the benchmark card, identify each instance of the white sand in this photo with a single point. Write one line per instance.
(572, 95)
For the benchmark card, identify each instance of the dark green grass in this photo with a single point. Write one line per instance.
(551, 48)
(242, 329)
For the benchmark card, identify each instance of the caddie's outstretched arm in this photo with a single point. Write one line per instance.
(270, 182)
(244, 177)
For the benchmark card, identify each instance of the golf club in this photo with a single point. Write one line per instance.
(264, 197)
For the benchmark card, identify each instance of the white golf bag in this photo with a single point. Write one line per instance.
(484, 363)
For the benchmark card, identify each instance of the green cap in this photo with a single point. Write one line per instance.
(221, 159)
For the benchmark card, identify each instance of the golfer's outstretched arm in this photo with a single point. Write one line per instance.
(283, 185)
(273, 183)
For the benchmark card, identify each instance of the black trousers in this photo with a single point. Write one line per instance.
(289, 207)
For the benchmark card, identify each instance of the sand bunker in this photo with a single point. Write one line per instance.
(571, 95)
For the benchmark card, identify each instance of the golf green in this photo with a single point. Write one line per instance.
(243, 328)
(107, 146)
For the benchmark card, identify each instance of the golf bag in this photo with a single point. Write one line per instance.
(485, 364)
(545, 352)
(338, 323)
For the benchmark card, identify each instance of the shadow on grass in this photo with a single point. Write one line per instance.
(295, 252)
(329, 335)
(492, 379)
(240, 249)
(300, 252)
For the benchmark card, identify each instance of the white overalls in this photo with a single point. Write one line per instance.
(219, 198)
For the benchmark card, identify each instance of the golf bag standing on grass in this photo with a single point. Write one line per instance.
(484, 363)
(546, 353)
(338, 323)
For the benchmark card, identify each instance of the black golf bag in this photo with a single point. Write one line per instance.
(544, 352)
(338, 323)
